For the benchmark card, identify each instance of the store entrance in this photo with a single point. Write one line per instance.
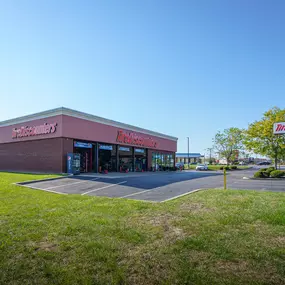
(85, 151)
(140, 160)
(107, 158)
(126, 159)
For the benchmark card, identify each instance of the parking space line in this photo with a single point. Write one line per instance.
(53, 187)
(108, 186)
(133, 194)
(36, 188)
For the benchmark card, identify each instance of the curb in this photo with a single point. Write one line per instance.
(263, 179)
(182, 195)
(40, 180)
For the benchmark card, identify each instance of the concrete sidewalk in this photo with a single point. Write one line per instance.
(115, 175)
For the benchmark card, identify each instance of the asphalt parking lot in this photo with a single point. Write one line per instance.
(158, 187)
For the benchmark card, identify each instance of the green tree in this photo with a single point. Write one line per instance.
(228, 142)
(260, 139)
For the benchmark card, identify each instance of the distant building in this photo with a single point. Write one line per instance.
(193, 157)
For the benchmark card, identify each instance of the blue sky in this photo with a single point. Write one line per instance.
(184, 68)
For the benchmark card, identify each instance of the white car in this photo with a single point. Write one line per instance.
(202, 167)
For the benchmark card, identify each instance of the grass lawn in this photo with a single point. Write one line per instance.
(210, 237)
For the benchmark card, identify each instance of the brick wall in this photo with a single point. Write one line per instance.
(36, 156)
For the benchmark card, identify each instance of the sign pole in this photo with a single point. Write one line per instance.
(225, 179)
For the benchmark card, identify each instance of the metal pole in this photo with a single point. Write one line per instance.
(188, 151)
(225, 179)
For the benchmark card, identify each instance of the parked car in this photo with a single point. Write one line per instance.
(264, 163)
(179, 165)
(202, 167)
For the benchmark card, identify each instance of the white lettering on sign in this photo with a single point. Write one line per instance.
(34, 131)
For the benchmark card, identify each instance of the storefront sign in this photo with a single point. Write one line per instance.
(134, 139)
(279, 128)
(83, 144)
(139, 150)
(34, 131)
(106, 147)
(124, 148)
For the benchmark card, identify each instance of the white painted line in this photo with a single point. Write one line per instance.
(95, 190)
(53, 187)
(31, 187)
(137, 193)
(184, 194)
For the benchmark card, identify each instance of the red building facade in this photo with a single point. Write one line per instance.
(40, 143)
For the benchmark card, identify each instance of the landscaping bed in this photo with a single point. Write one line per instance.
(210, 237)
(271, 172)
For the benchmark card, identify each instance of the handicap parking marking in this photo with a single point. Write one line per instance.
(69, 184)
(104, 187)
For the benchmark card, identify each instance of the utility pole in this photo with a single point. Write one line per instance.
(210, 151)
(188, 151)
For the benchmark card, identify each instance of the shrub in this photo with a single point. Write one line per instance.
(265, 174)
(234, 167)
(226, 168)
(259, 174)
(269, 170)
(221, 168)
(277, 173)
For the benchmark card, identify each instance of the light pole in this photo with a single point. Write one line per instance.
(210, 150)
(188, 151)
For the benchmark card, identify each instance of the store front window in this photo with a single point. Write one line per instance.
(162, 161)
(107, 158)
(140, 159)
(84, 149)
(126, 159)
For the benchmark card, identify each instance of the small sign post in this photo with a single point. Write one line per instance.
(225, 179)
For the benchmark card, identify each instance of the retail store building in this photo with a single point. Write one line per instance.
(41, 142)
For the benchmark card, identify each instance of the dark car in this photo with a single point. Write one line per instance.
(264, 163)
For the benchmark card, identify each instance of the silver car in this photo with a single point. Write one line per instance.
(202, 167)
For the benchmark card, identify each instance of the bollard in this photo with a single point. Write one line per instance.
(225, 179)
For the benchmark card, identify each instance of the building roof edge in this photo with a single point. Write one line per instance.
(85, 116)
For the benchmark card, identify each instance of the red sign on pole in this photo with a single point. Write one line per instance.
(279, 128)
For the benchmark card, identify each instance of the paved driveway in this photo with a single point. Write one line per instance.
(156, 187)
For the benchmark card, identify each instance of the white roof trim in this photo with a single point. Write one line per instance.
(85, 116)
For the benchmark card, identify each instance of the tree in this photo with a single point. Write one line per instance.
(260, 139)
(228, 143)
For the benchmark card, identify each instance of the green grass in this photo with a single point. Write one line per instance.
(210, 237)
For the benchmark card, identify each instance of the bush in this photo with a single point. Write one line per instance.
(269, 170)
(234, 167)
(225, 167)
(277, 173)
(265, 173)
(259, 174)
